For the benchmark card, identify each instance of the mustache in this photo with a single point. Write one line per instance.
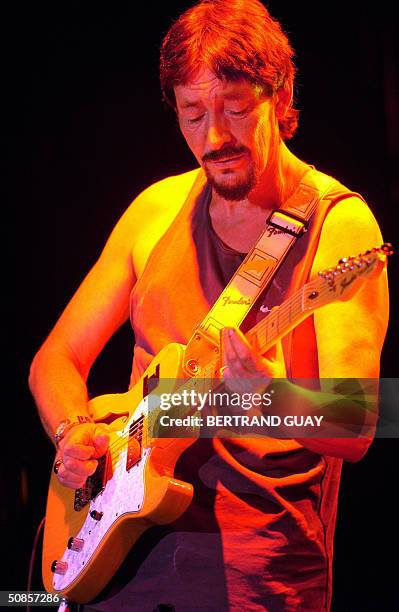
(228, 151)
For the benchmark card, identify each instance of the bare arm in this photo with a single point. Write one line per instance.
(101, 304)
(349, 334)
(60, 368)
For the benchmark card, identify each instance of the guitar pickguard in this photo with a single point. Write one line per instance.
(123, 494)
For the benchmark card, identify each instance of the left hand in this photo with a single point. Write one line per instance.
(244, 370)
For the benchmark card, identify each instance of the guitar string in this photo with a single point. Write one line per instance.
(295, 298)
(282, 314)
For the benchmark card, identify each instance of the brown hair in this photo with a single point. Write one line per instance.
(235, 39)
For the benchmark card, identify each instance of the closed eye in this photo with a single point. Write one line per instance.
(237, 113)
(195, 119)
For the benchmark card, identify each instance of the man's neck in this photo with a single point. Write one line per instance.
(239, 223)
(276, 185)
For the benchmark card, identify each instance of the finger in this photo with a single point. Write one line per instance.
(79, 435)
(236, 383)
(79, 468)
(78, 451)
(101, 439)
(69, 479)
(243, 355)
(230, 354)
(240, 346)
(238, 340)
(92, 436)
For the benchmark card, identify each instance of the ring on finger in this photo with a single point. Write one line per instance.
(57, 466)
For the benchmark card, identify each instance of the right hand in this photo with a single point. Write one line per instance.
(79, 451)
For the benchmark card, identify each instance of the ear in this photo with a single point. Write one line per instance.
(284, 99)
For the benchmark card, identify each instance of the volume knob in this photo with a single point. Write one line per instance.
(75, 544)
(59, 567)
(97, 516)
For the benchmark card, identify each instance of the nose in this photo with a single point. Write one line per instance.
(218, 134)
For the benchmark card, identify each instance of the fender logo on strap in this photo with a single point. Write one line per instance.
(273, 231)
(227, 300)
(287, 224)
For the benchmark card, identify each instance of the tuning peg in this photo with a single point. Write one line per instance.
(387, 248)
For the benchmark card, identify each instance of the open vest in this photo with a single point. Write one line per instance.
(259, 532)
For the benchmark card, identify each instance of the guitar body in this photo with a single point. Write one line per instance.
(90, 531)
(139, 491)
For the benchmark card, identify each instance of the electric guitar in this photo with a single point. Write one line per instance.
(88, 532)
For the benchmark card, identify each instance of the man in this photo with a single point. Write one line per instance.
(226, 68)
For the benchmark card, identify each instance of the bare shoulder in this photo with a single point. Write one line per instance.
(165, 197)
(150, 215)
(359, 324)
(350, 228)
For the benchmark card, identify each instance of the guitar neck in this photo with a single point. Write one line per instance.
(262, 336)
(334, 284)
(287, 316)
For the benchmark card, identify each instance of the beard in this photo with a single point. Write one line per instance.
(229, 185)
(234, 189)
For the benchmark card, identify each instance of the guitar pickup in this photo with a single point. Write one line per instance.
(134, 443)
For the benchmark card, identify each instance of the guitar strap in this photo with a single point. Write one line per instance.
(283, 228)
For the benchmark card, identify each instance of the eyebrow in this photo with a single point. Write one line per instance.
(189, 104)
(228, 96)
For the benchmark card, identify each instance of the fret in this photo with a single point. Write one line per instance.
(290, 305)
(266, 334)
(279, 322)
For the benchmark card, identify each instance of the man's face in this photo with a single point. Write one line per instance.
(230, 128)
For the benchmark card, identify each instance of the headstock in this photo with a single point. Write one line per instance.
(345, 278)
(342, 281)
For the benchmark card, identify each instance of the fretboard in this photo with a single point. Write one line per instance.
(292, 311)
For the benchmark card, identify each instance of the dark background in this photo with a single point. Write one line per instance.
(97, 133)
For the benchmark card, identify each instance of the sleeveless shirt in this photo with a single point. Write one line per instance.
(258, 534)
